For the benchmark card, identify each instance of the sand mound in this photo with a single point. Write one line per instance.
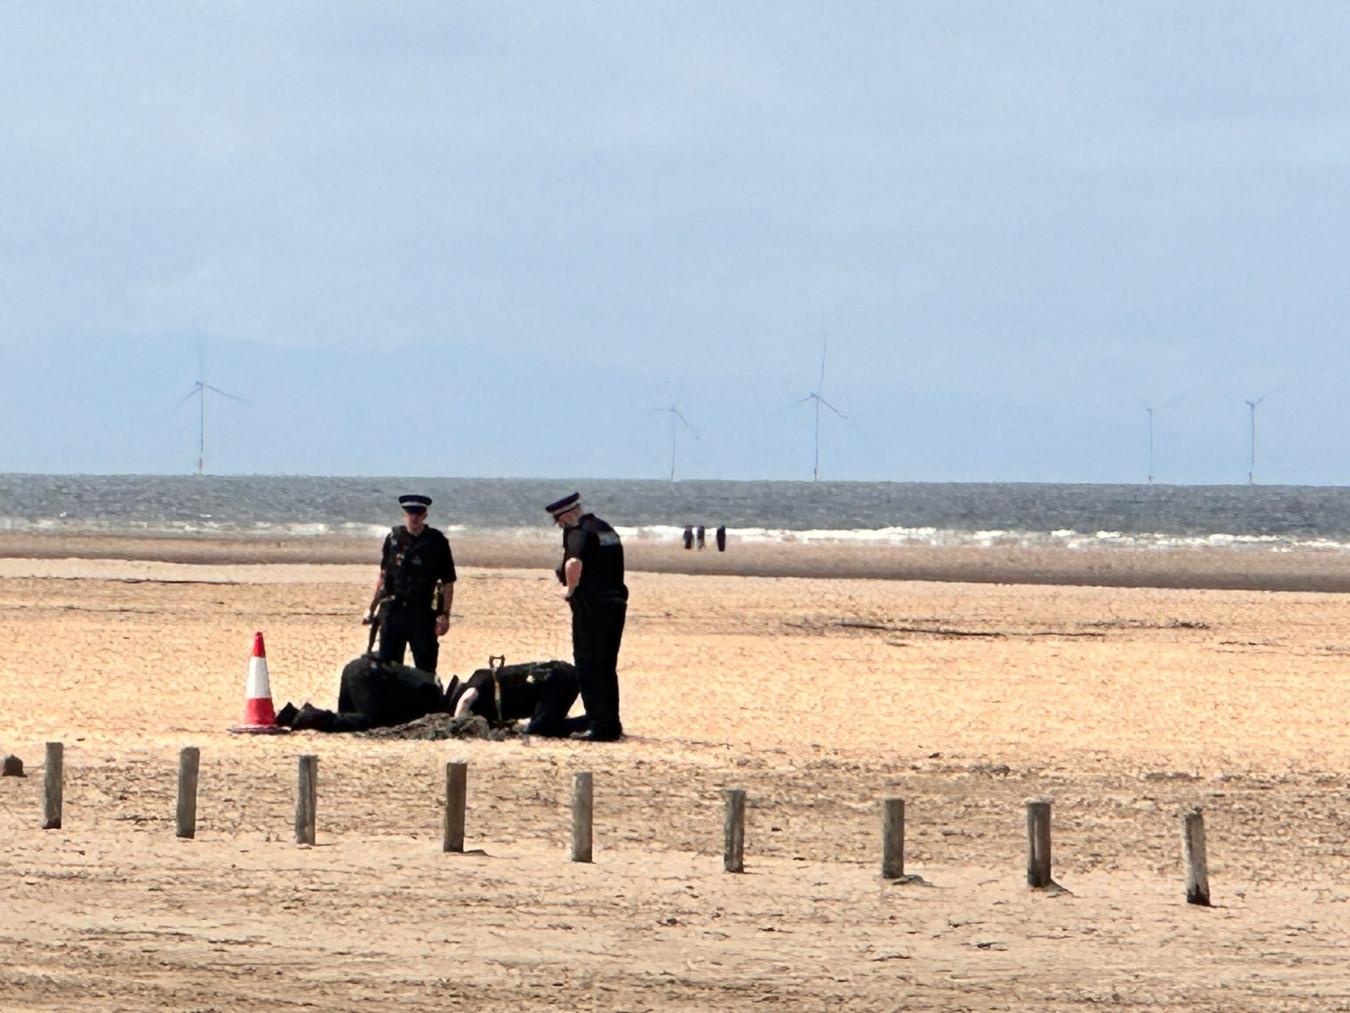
(442, 726)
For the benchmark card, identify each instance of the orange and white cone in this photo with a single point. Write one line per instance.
(259, 717)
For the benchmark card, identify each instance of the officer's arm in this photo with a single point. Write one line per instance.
(447, 591)
(574, 544)
(376, 597)
(443, 616)
(379, 581)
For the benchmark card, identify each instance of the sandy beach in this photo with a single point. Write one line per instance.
(821, 696)
(1238, 566)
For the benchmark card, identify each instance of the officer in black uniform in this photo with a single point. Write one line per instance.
(592, 573)
(415, 561)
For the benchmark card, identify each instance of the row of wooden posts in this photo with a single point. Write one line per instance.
(583, 794)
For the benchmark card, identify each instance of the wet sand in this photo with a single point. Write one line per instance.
(1239, 566)
(1126, 707)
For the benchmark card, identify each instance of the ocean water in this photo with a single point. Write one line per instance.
(1276, 517)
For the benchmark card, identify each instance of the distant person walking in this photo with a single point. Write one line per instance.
(415, 589)
(688, 536)
(721, 538)
(593, 580)
(700, 537)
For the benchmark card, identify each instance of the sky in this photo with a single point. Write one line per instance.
(504, 238)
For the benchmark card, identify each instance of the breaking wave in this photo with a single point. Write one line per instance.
(974, 515)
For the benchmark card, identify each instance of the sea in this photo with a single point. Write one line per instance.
(1278, 517)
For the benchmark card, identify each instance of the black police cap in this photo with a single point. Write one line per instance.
(560, 507)
(414, 502)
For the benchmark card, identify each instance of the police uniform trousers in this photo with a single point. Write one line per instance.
(556, 694)
(597, 629)
(406, 625)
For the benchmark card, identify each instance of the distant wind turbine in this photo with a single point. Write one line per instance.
(677, 419)
(1150, 409)
(1251, 408)
(818, 397)
(199, 390)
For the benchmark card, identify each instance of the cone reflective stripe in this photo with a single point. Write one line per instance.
(258, 693)
(259, 716)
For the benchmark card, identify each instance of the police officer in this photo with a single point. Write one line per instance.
(416, 559)
(592, 575)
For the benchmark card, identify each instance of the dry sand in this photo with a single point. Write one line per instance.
(820, 697)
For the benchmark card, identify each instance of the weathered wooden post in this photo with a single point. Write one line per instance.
(456, 799)
(52, 789)
(583, 797)
(188, 761)
(306, 799)
(893, 839)
(1197, 869)
(1038, 845)
(733, 853)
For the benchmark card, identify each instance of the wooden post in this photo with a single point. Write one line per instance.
(893, 839)
(582, 799)
(51, 796)
(456, 797)
(1197, 870)
(1038, 844)
(306, 799)
(733, 854)
(188, 761)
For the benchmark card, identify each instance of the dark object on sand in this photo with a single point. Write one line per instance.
(373, 694)
(435, 727)
(380, 694)
(700, 537)
(13, 767)
(721, 538)
(508, 693)
(688, 536)
(388, 693)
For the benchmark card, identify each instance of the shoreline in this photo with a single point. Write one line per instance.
(1246, 567)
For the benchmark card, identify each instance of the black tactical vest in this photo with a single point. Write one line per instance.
(414, 565)
(598, 547)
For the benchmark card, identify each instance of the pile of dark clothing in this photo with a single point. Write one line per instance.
(381, 694)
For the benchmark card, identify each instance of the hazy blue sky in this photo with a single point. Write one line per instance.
(495, 238)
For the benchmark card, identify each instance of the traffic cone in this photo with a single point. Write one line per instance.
(259, 717)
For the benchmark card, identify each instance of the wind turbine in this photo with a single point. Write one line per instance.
(677, 419)
(819, 398)
(1251, 407)
(199, 390)
(1150, 409)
